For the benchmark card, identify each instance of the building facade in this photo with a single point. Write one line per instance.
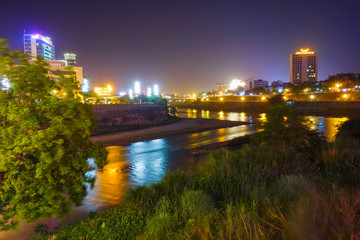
(38, 45)
(219, 87)
(58, 68)
(255, 83)
(70, 59)
(303, 67)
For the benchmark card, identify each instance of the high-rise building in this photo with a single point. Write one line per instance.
(70, 59)
(255, 83)
(38, 45)
(303, 66)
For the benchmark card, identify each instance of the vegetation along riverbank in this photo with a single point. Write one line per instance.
(286, 183)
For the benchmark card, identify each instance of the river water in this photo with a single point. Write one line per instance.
(147, 162)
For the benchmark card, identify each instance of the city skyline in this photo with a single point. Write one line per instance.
(190, 47)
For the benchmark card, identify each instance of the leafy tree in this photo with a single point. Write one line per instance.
(349, 129)
(173, 111)
(259, 90)
(44, 142)
(287, 127)
(276, 100)
(125, 100)
(345, 79)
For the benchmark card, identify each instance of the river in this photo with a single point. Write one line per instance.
(147, 162)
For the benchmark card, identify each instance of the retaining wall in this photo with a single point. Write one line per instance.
(111, 115)
(328, 104)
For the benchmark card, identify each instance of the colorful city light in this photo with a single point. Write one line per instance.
(156, 90)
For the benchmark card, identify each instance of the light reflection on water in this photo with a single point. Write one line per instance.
(326, 125)
(148, 161)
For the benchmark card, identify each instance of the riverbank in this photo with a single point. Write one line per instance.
(262, 191)
(181, 127)
(327, 109)
(124, 128)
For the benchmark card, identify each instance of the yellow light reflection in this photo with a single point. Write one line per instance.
(263, 117)
(221, 114)
(242, 117)
(111, 183)
(205, 114)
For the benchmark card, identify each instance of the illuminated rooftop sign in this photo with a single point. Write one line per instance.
(45, 39)
(305, 51)
(103, 91)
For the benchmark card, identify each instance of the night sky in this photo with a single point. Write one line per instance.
(188, 46)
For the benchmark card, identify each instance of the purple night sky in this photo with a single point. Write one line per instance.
(189, 45)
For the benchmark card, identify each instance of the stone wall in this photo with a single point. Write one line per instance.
(328, 104)
(263, 106)
(111, 115)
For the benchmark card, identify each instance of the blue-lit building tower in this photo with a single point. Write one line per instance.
(38, 45)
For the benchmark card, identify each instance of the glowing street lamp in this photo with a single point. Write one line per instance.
(149, 91)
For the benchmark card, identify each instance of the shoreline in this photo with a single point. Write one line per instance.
(183, 126)
(321, 112)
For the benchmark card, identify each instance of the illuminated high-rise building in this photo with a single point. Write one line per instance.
(303, 67)
(85, 85)
(70, 59)
(38, 45)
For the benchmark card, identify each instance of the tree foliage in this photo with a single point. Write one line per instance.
(345, 79)
(276, 100)
(287, 127)
(44, 142)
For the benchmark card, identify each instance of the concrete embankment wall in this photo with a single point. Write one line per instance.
(328, 104)
(263, 106)
(113, 115)
(225, 106)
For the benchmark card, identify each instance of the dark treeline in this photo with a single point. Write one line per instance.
(287, 183)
